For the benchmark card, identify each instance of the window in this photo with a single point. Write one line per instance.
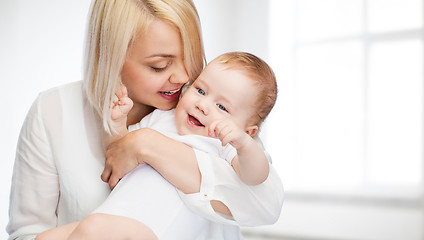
(350, 109)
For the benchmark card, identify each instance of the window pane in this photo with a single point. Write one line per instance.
(389, 15)
(329, 18)
(342, 114)
(395, 113)
(329, 111)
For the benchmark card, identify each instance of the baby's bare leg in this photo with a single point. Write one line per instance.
(106, 226)
(58, 233)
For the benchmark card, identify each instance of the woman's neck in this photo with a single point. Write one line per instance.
(137, 112)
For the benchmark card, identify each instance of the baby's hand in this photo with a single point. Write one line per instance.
(228, 132)
(121, 105)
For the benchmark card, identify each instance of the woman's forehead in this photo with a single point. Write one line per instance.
(161, 39)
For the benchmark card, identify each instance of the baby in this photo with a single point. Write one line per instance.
(219, 113)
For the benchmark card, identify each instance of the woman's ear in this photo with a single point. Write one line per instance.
(252, 130)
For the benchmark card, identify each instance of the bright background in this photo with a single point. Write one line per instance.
(346, 134)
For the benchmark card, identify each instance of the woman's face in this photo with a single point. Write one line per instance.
(154, 71)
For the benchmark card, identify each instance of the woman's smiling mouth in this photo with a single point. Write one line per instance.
(170, 95)
(171, 92)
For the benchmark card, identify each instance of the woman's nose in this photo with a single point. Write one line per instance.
(179, 75)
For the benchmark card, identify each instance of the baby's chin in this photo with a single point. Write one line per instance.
(184, 131)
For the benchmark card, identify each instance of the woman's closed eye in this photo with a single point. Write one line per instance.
(161, 66)
(159, 69)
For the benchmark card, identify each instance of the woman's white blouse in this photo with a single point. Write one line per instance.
(59, 160)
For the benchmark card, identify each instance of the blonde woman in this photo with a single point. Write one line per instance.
(154, 48)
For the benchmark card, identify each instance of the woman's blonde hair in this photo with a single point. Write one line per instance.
(112, 29)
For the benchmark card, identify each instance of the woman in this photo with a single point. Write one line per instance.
(60, 155)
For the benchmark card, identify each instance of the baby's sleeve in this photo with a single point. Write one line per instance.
(228, 153)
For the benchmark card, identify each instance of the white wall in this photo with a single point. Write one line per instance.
(41, 46)
(236, 25)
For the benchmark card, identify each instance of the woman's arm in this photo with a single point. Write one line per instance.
(205, 181)
(174, 160)
(35, 185)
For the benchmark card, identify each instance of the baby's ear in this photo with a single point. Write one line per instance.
(252, 130)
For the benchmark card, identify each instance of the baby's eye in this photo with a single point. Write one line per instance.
(200, 91)
(222, 107)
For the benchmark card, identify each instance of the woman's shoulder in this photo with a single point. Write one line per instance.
(72, 88)
(59, 95)
(58, 100)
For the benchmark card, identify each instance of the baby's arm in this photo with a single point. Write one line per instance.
(121, 106)
(250, 164)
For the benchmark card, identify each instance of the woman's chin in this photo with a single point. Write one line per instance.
(166, 107)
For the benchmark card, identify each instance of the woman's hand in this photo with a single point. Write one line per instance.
(122, 156)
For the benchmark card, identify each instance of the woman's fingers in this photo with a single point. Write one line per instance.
(113, 180)
(106, 174)
(111, 176)
(121, 158)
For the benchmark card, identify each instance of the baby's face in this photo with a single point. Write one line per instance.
(217, 94)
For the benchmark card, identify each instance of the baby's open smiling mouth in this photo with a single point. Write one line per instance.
(194, 121)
